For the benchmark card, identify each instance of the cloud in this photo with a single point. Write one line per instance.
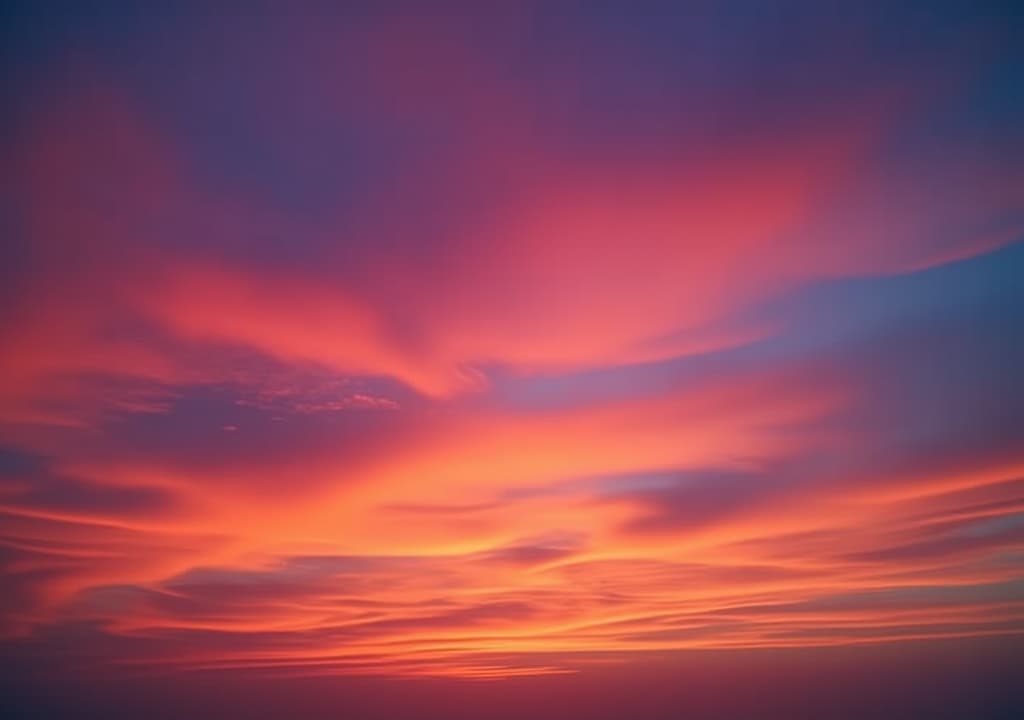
(475, 347)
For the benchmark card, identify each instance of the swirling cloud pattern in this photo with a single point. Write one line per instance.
(490, 343)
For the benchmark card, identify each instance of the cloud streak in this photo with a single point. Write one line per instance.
(488, 347)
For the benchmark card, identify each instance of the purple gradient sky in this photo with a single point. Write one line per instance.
(539, 358)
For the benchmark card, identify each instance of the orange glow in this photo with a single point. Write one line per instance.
(515, 402)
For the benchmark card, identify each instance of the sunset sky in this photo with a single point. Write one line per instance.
(511, 357)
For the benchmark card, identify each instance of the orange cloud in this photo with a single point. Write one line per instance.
(542, 404)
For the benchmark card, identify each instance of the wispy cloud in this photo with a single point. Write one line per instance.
(487, 346)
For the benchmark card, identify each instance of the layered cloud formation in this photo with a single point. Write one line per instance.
(510, 342)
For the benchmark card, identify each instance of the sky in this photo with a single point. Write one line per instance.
(549, 359)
